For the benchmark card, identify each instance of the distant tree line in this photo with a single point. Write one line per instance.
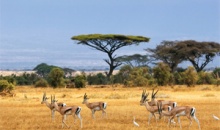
(135, 69)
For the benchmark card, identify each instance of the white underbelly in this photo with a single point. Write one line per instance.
(183, 113)
(97, 108)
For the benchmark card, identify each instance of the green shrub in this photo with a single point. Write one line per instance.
(6, 86)
(190, 76)
(80, 81)
(98, 79)
(56, 77)
(162, 74)
(41, 83)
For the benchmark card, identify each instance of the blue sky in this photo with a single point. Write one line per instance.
(37, 31)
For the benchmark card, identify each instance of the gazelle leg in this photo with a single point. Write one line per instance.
(194, 117)
(170, 121)
(52, 114)
(179, 122)
(150, 116)
(190, 120)
(80, 118)
(93, 112)
(155, 117)
(74, 116)
(63, 121)
(103, 112)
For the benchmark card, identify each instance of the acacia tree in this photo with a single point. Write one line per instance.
(135, 60)
(168, 53)
(198, 53)
(174, 52)
(109, 43)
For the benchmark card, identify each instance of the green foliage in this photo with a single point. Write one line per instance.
(124, 38)
(43, 69)
(6, 86)
(123, 74)
(10, 79)
(205, 78)
(137, 76)
(98, 79)
(216, 73)
(198, 53)
(80, 81)
(162, 74)
(190, 76)
(56, 77)
(135, 60)
(168, 53)
(174, 52)
(218, 82)
(26, 79)
(41, 83)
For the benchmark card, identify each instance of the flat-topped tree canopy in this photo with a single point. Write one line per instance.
(109, 43)
(116, 37)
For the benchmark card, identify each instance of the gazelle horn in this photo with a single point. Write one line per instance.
(44, 95)
(152, 94)
(85, 96)
(156, 93)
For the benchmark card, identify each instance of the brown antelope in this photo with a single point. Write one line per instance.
(164, 102)
(178, 111)
(152, 109)
(49, 105)
(95, 106)
(67, 110)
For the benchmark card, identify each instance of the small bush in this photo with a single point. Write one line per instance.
(6, 86)
(80, 81)
(41, 83)
(218, 82)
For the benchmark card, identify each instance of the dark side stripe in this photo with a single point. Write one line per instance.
(78, 109)
(104, 105)
(67, 110)
(192, 112)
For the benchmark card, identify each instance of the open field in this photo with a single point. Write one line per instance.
(25, 111)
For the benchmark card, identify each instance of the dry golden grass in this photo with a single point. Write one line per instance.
(25, 111)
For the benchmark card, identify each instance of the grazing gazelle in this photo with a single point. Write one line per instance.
(49, 105)
(95, 106)
(67, 110)
(152, 109)
(178, 111)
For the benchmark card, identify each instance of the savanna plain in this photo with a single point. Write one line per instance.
(24, 111)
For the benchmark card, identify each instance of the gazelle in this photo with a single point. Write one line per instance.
(165, 103)
(49, 105)
(152, 109)
(95, 106)
(67, 110)
(154, 101)
(178, 111)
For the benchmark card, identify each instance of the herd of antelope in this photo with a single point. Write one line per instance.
(161, 107)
